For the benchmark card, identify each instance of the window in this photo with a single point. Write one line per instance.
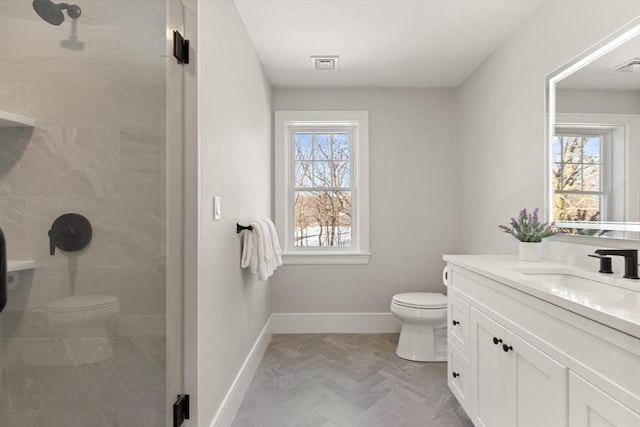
(322, 208)
(578, 174)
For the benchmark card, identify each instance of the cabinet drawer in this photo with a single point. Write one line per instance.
(458, 317)
(458, 376)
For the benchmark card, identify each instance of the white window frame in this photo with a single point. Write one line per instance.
(285, 123)
(631, 140)
(604, 133)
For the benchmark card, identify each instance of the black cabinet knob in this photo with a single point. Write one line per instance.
(506, 348)
(496, 341)
(455, 322)
(455, 374)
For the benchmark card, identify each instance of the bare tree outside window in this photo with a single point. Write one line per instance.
(577, 177)
(322, 193)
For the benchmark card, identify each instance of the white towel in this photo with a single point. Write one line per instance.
(275, 244)
(261, 250)
(247, 248)
(267, 253)
(258, 264)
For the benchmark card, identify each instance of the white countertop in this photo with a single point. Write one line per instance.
(615, 304)
(18, 265)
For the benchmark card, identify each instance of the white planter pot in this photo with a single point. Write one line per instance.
(530, 251)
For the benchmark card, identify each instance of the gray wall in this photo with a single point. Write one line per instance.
(97, 149)
(598, 101)
(502, 115)
(412, 144)
(235, 152)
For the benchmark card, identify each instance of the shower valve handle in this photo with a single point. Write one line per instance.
(69, 232)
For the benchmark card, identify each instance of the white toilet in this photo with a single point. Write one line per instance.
(89, 320)
(424, 326)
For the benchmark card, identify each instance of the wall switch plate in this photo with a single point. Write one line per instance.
(216, 209)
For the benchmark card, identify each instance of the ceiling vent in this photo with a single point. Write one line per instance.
(324, 63)
(630, 66)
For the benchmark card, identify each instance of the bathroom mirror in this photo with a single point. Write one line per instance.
(593, 140)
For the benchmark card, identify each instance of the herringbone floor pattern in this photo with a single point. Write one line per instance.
(329, 380)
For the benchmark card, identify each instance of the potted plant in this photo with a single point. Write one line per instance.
(530, 232)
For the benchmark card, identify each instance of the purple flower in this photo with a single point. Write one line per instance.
(527, 227)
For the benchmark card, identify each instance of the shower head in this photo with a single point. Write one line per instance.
(52, 13)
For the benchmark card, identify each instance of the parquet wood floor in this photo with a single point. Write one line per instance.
(345, 380)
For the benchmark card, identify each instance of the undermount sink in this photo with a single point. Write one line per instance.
(572, 286)
(567, 280)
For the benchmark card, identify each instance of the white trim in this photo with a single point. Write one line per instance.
(232, 400)
(360, 191)
(320, 258)
(342, 323)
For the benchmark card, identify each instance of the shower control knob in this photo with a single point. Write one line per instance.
(69, 232)
(496, 340)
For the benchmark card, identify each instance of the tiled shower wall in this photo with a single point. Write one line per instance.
(98, 150)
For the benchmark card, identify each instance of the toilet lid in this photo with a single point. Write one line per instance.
(421, 300)
(80, 303)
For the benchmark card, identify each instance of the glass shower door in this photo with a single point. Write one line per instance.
(82, 131)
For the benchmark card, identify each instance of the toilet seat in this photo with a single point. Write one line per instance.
(82, 309)
(81, 303)
(421, 300)
(92, 319)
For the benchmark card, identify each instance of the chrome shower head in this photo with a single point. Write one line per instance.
(52, 13)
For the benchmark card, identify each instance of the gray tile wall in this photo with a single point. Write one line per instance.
(98, 149)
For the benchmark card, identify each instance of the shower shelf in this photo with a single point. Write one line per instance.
(19, 265)
(15, 120)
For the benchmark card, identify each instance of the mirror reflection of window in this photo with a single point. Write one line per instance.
(579, 193)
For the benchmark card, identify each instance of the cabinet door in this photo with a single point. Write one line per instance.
(591, 407)
(536, 386)
(488, 382)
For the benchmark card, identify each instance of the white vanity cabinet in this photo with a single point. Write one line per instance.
(521, 361)
(591, 407)
(513, 383)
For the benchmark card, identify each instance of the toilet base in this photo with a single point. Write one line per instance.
(419, 343)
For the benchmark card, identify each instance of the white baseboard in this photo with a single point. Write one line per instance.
(318, 323)
(232, 400)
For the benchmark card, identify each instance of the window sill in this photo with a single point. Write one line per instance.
(319, 258)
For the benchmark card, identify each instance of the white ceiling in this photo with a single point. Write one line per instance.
(381, 43)
(599, 74)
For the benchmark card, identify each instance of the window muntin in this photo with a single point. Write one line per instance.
(323, 185)
(579, 170)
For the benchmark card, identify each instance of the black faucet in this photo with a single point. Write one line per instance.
(630, 260)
